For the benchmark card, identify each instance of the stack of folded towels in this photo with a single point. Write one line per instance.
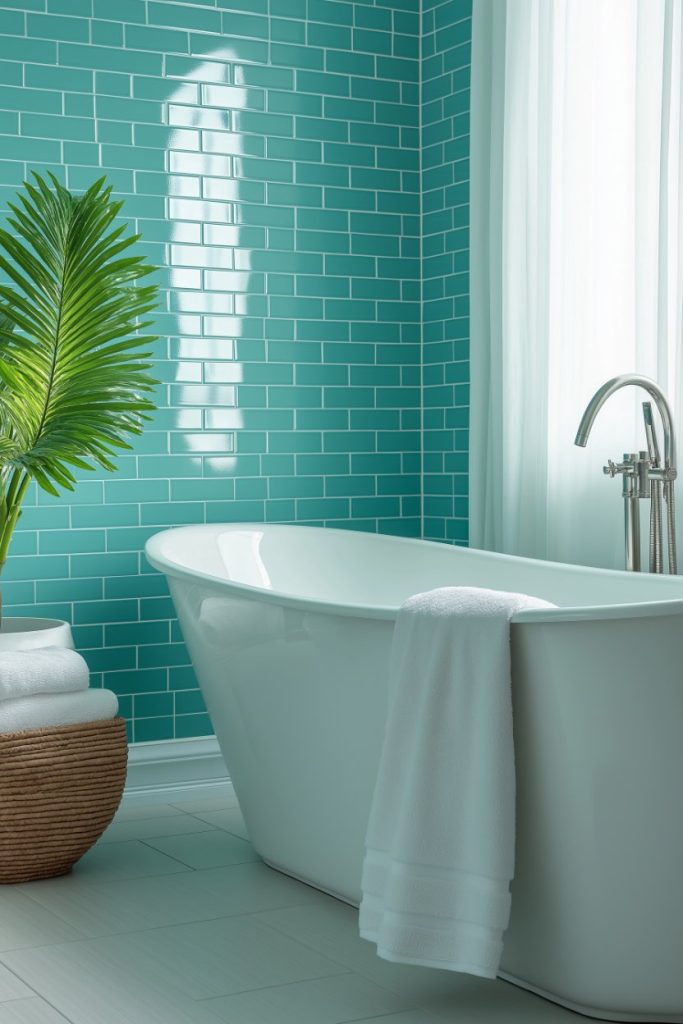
(46, 687)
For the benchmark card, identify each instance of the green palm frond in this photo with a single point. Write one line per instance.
(73, 371)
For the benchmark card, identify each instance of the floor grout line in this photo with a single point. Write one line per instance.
(282, 984)
(37, 994)
(162, 927)
(143, 842)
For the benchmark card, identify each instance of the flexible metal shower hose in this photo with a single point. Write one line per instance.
(656, 560)
(671, 525)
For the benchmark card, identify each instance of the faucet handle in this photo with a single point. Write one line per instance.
(627, 467)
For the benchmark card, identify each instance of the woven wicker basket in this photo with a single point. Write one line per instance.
(59, 789)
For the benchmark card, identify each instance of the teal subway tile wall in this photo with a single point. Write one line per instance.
(446, 47)
(269, 153)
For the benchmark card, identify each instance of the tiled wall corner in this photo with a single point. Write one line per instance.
(446, 45)
(268, 152)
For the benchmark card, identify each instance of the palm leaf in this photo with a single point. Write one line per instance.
(73, 375)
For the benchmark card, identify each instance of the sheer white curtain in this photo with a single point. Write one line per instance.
(577, 260)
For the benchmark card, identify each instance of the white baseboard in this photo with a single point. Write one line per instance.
(166, 769)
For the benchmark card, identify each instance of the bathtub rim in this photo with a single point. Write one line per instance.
(578, 613)
(160, 561)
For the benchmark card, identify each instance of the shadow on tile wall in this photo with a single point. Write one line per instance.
(268, 152)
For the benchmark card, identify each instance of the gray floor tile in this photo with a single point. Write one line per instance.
(333, 1000)
(204, 959)
(134, 859)
(206, 849)
(106, 908)
(174, 824)
(11, 987)
(30, 1011)
(229, 818)
(23, 922)
(85, 989)
(216, 802)
(131, 810)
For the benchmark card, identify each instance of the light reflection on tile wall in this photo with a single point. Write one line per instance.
(268, 152)
(446, 45)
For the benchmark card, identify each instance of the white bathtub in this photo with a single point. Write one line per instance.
(289, 629)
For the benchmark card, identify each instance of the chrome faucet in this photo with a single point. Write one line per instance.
(643, 474)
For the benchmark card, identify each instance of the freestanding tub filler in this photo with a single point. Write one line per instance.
(289, 629)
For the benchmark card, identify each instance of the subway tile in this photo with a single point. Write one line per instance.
(280, 8)
(146, 730)
(322, 83)
(103, 58)
(195, 18)
(351, 63)
(135, 586)
(287, 191)
(42, 567)
(163, 40)
(291, 55)
(253, 26)
(12, 23)
(189, 702)
(9, 123)
(136, 680)
(334, 12)
(138, 633)
(24, 99)
(123, 10)
(289, 31)
(103, 565)
(322, 508)
(329, 36)
(322, 419)
(69, 590)
(237, 49)
(38, 50)
(297, 487)
(264, 76)
(79, 105)
(370, 41)
(348, 486)
(47, 26)
(251, 489)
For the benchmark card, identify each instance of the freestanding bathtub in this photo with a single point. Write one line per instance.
(289, 629)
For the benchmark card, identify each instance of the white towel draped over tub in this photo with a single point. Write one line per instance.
(441, 833)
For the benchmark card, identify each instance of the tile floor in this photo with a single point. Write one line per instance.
(172, 919)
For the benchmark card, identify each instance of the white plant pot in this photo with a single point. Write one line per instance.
(24, 634)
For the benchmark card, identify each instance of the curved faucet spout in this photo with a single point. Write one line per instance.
(642, 473)
(615, 384)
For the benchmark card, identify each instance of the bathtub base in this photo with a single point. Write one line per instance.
(586, 1011)
(306, 881)
(591, 1012)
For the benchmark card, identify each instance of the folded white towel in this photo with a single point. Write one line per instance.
(42, 670)
(441, 832)
(43, 710)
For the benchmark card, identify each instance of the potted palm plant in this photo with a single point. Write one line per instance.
(73, 370)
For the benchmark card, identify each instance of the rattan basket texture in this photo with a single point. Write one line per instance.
(59, 789)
